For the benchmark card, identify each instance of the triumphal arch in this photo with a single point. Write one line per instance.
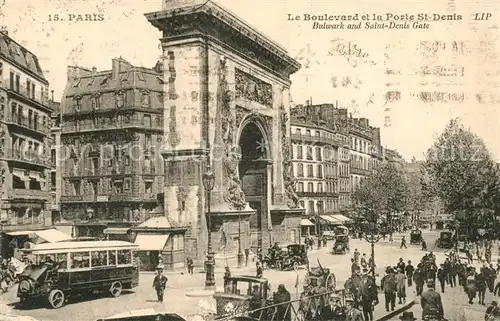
(226, 105)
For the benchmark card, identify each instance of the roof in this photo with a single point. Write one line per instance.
(20, 57)
(79, 245)
(159, 222)
(247, 278)
(128, 76)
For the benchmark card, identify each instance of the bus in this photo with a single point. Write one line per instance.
(65, 269)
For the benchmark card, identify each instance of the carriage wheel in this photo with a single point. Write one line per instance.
(116, 289)
(56, 298)
(331, 282)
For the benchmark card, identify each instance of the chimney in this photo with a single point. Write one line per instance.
(4, 30)
(52, 94)
(119, 65)
(307, 102)
(94, 70)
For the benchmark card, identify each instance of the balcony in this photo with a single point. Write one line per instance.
(132, 124)
(317, 194)
(123, 197)
(27, 156)
(30, 194)
(22, 94)
(298, 138)
(27, 124)
(362, 172)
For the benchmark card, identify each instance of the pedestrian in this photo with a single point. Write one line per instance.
(431, 302)
(424, 245)
(409, 273)
(492, 312)
(367, 308)
(227, 282)
(388, 284)
(401, 265)
(356, 256)
(452, 276)
(403, 243)
(470, 284)
(259, 270)
(283, 313)
(354, 267)
(353, 314)
(334, 310)
(481, 285)
(419, 279)
(247, 256)
(441, 275)
(401, 286)
(160, 283)
(492, 275)
(190, 265)
(364, 263)
(325, 241)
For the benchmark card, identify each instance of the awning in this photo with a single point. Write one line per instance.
(330, 219)
(151, 242)
(306, 222)
(52, 235)
(35, 175)
(19, 233)
(342, 218)
(19, 173)
(117, 230)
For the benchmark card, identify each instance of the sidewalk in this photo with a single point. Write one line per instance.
(380, 314)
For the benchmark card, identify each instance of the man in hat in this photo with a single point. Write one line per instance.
(401, 286)
(409, 273)
(353, 314)
(388, 284)
(159, 283)
(481, 285)
(407, 316)
(227, 276)
(431, 303)
(259, 269)
(492, 312)
(334, 311)
(281, 296)
(419, 279)
(441, 275)
(401, 265)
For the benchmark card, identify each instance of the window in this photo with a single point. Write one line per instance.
(127, 185)
(145, 101)
(62, 260)
(112, 257)
(298, 131)
(317, 133)
(80, 260)
(120, 99)
(308, 132)
(319, 172)
(77, 103)
(309, 153)
(310, 171)
(310, 187)
(311, 207)
(300, 187)
(147, 120)
(99, 258)
(299, 152)
(96, 101)
(300, 170)
(124, 257)
(28, 87)
(11, 80)
(17, 83)
(318, 153)
(320, 187)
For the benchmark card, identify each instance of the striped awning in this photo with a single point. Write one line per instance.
(342, 218)
(306, 222)
(330, 219)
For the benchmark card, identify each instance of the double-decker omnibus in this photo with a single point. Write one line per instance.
(66, 269)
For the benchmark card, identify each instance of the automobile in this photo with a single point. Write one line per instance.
(445, 240)
(415, 236)
(295, 256)
(341, 245)
(65, 269)
(243, 293)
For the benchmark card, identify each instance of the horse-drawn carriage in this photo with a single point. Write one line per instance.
(341, 245)
(289, 257)
(319, 276)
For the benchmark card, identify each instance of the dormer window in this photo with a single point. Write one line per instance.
(77, 103)
(96, 101)
(120, 99)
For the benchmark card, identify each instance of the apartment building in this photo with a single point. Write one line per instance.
(360, 134)
(111, 130)
(24, 139)
(55, 181)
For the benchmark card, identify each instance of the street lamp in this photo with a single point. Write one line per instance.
(208, 184)
(241, 257)
(373, 239)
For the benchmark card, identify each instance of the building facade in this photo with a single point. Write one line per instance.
(24, 139)
(360, 134)
(111, 130)
(55, 181)
(227, 101)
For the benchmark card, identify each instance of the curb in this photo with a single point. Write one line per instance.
(397, 311)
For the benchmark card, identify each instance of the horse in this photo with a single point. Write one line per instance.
(363, 288)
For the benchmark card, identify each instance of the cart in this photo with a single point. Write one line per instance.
(415, 237)
(341, 245)
(445, 240)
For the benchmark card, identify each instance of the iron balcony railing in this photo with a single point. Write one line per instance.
(38, 97)
(109, 197)
(358, 171)
(28, 156)
(27, 123)
(316, 139)
(317, 194)
(134, 123)
(19, 192)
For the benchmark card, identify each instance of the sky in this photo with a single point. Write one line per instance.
(330, 72)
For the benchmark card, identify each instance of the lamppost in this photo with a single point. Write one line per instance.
(373, 238)
(208, 184)
(241, 257)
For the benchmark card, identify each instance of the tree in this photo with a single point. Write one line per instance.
(384, 192)
(461, 172)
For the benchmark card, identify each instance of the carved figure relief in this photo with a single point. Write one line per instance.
(288, 179)
(253, 89)
(233, 194)
(173, 136)
(182, 194)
